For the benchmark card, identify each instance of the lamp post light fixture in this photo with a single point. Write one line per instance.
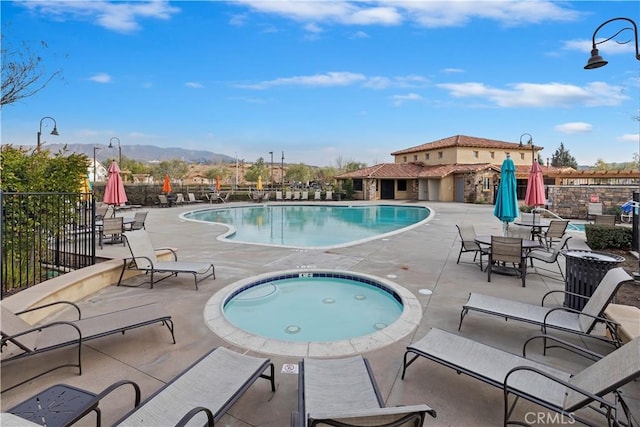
(596, 61)
(94, 163)
(529, 142)
(282, 170)
(53, 132)
(119, 149)
(271, 152)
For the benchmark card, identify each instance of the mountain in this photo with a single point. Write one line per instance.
(144, 153)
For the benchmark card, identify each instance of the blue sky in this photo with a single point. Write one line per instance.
(328, 80)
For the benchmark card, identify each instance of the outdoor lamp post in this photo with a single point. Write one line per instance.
(236, 187)
(529, 142)
(271, 152)
(282, 170)
(119, 149)
(596, 61)
(53, 132)
(94, 162)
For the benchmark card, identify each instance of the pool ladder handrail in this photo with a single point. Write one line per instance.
(553, 214)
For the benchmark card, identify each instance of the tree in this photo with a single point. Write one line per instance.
(259, 168)
(299, 173)
(562, 158)
(23, 73)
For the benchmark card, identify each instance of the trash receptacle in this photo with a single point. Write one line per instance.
(584, 271)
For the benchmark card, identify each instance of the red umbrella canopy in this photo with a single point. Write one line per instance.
(535, 187)
(114, 193)
(166, 184)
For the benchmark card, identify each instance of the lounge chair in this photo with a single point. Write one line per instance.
(163, 200)
(541, 384)
(210, 386)
(468, 243)
(317, 195)
(288, 195)
(20, 339)
(605, 220)
(180, 199)
(328, 195)
(549, 256)
(304, 195)
(557, 318)
(201, 394)
(343, 392)
(296, 195)
(278, 195)
(144, 259)
(192, 198)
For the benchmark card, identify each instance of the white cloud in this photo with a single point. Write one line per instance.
(630, 137)
(194, 85)
(453, 70)
(121, 17)
(574, 127)
(101, 78)
(540, 95)
(330, 79)
(398, 100)
(359, 35)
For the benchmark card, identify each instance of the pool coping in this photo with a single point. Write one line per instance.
(407, 322)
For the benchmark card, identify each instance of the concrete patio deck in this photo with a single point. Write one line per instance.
(421, 258)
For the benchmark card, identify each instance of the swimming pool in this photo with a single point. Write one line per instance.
(308, 306)
(573, 226)
(311, 226)
(409, 319)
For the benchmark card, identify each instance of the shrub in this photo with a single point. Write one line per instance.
(607, 236)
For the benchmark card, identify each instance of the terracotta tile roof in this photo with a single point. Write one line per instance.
(463, 141)
(413, 170)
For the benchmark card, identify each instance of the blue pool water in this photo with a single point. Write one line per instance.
(313, 307)
(311, 226)
(575, 227)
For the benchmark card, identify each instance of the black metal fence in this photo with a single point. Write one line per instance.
(43, 235)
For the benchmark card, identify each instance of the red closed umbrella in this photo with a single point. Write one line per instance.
(535, 188)
(166, 184)
(218, 184)
(114, 193)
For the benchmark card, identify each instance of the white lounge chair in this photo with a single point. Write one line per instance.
(288, 195)
(296, 195)
(278, 195)
(541, 384)
(557, 318)
(144, 259)
(317, 195)
(192, 198)
(343, 392)
(304, 195)
(20, 339)
(328, 195)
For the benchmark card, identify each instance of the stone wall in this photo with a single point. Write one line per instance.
(571, 201)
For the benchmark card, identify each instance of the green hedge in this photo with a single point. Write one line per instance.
(607, 236)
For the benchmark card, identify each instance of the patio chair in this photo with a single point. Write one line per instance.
(101, 212)
(557, 318)
(605, 220)
(278, 195)
(468, 243)
(304, 195)
(20, 339)
(204, 392)
(111, 227)
(536, 382)
(328, 195)
(555, 231)
(507, 250)
(201, 394)
(144, 259)
(594, 209)
(343, 392)
(549, 256)
(180, 199)
(288, 195)
(317, 195)
(163, 200)
(139, 219)
(296, 195)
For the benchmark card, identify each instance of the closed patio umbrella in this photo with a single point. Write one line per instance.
(506, 207)
(114, 193)
(535, 188)
(218, 184)
(166, 184)
(259, 183)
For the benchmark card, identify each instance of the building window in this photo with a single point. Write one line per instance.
(357, 185)
(493, 154)
(486, 184)
(440, 155)
(426, 156)
(415, 157)
(404, 159)
(402, 185)
(476, 154)
(521, 156)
